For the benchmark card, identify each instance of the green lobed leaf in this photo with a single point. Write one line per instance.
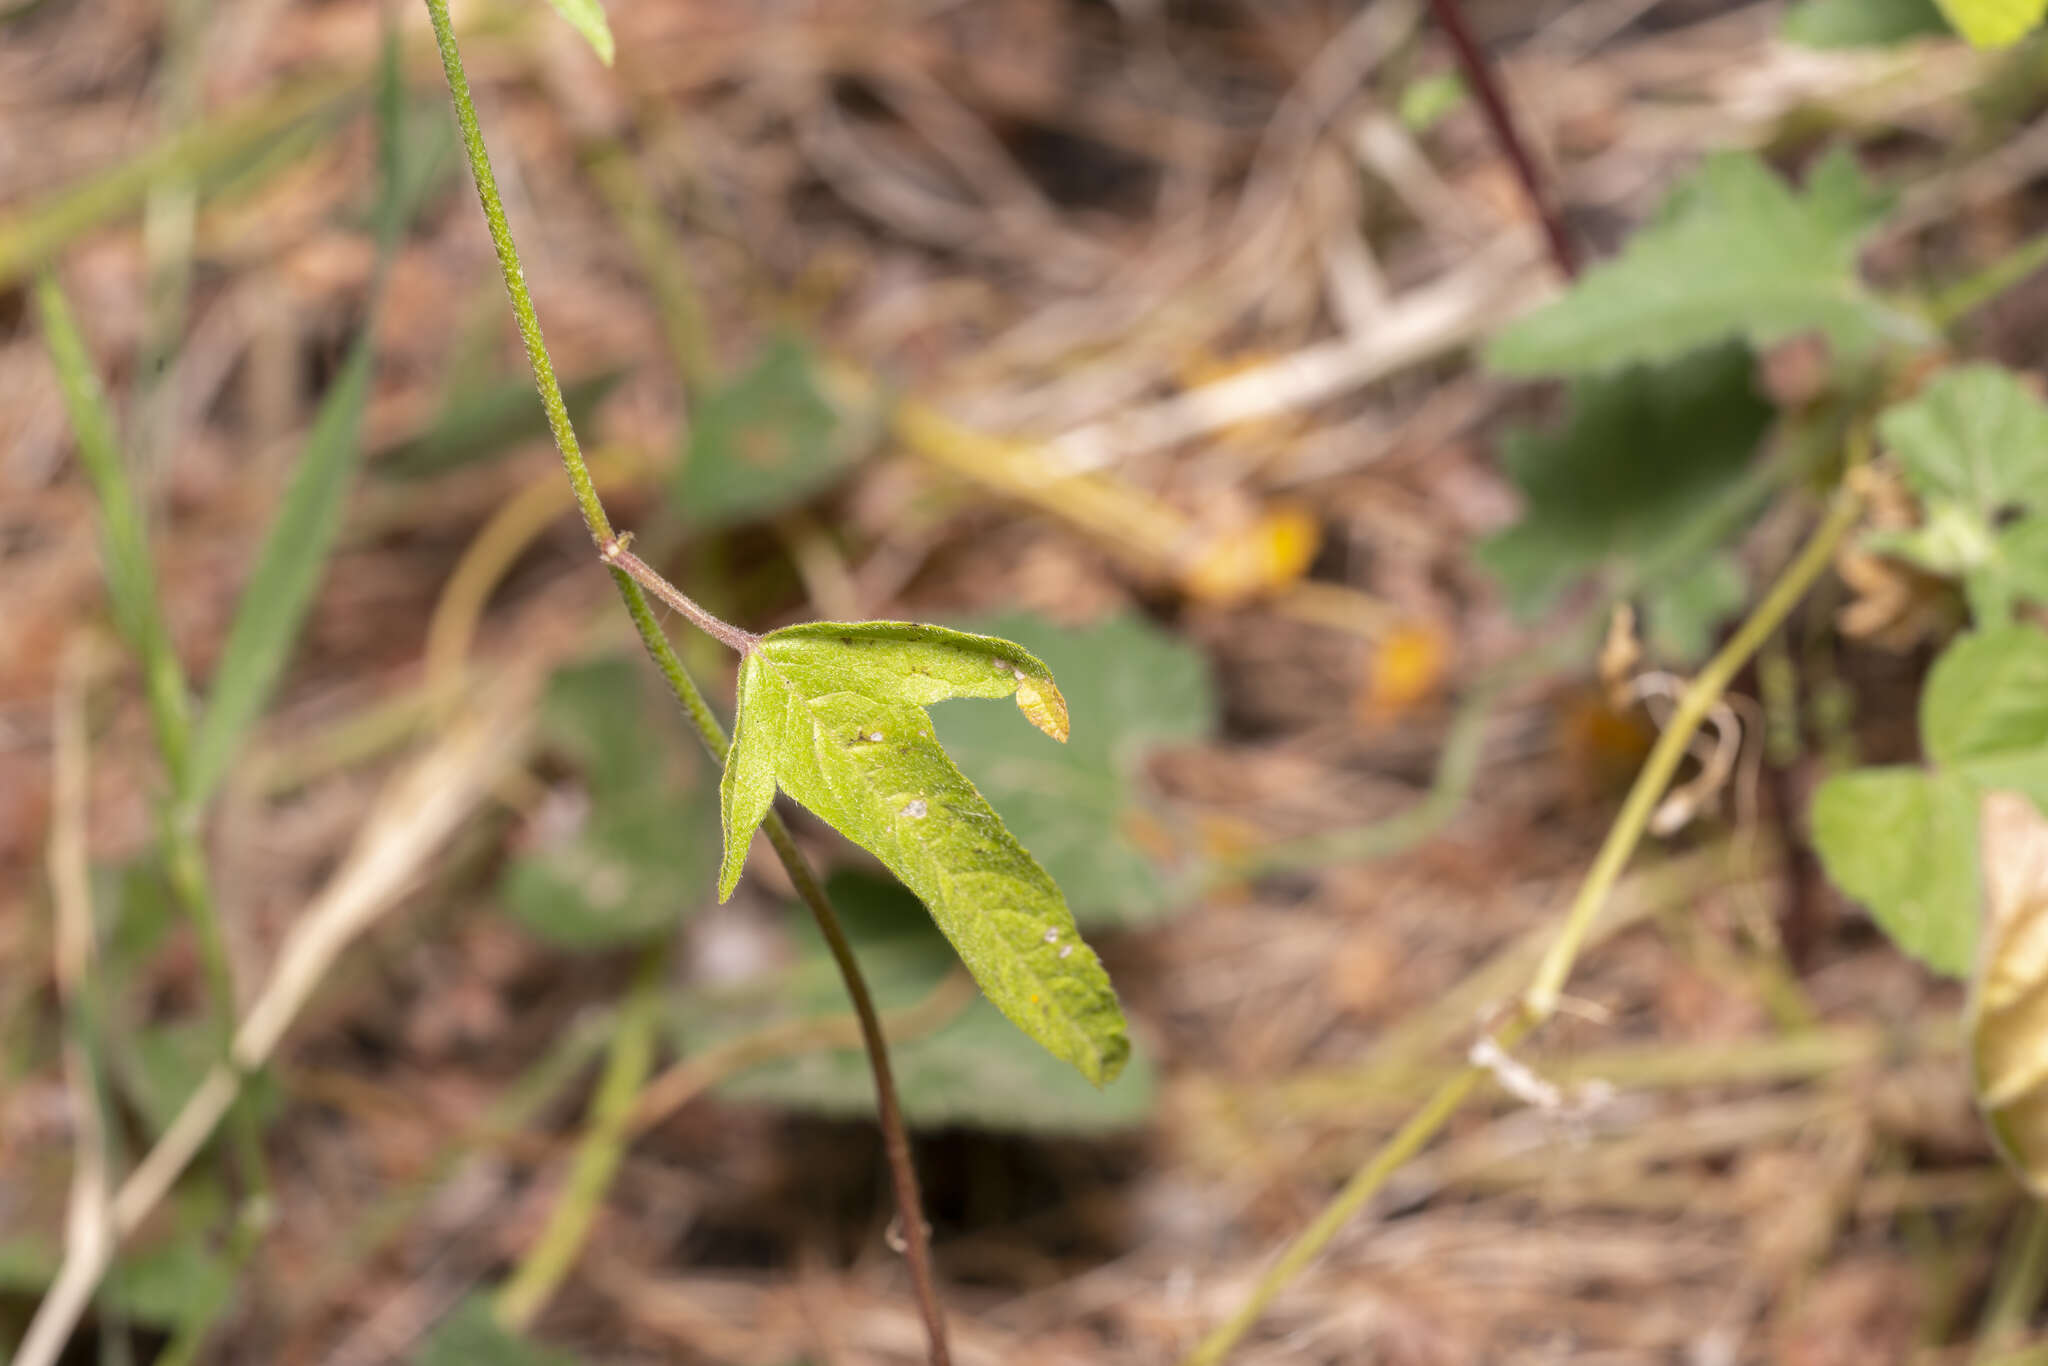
(587, 18)
(1861, 23)
(975, 1069)
(1975, 434)
(629, 869)
(1994, 23)
(1640, 455)
(764, 441)
(1903, 841)
(835, 711)
(1078, 808)
(472, 1336)
(1737, 254)
(1973, 445)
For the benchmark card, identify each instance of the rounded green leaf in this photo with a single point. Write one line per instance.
(1903, 842)
(1986, 698)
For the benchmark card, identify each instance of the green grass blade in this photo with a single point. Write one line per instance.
(281, 587)
(287, 571)
(131, 579)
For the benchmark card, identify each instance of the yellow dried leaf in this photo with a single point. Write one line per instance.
(1406, 670)
(1043, 707)
(2008, 1014)
(1253, 560)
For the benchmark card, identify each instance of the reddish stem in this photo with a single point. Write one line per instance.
(1500, 121)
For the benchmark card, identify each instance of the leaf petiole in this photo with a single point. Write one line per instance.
(626, 562)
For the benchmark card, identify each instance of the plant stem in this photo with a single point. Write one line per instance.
(1500, 120)
(1713, 680)
(1413, 1136)
(1539, 1001)
(896, 1140)
(555, 1251)
(895, 1136)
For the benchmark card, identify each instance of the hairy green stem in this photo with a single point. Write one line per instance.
(688, 695)
(1540, 1000)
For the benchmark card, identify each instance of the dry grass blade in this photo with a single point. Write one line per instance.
(89, 1236)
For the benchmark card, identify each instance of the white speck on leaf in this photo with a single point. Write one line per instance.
(1052, 936)
(915, 808)
(1066, 949)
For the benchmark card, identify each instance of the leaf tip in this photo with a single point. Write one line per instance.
(1043, 706)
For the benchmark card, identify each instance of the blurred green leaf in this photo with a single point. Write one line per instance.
(1975, 434)
(470, 1336)
(1641, 453)
(1973, 445)
(1426, 102)
(1903, 841)
(171, 1272)
(587, 18)
(166, 1283)
(1987, 698)
(159, 1067)
(1682, 614)
(1861, 23)
(833, 713)
(640, 855)
(1994, 23)
(1736, 255)
(1079, 808)
(765, 441)
(479, 424)
(975, 1070)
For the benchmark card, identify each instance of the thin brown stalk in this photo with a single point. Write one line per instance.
(1507, 134)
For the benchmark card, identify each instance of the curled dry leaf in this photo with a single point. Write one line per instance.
(2008, 1015)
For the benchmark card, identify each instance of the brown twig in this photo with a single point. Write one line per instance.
(1500, 121)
